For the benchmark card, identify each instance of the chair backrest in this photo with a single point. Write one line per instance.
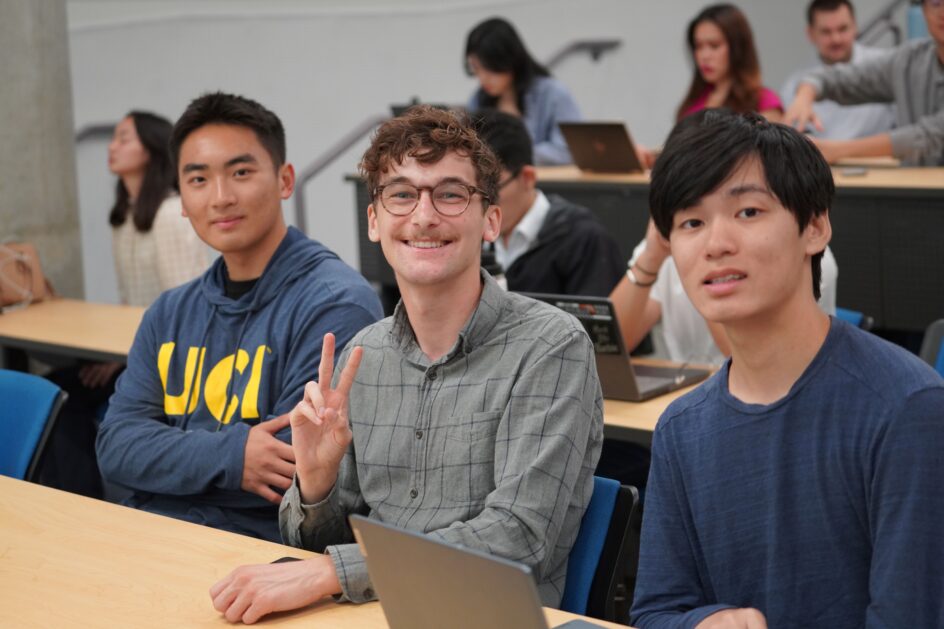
(932, 348)
(28, 411)
(602, 564)
(856, 318)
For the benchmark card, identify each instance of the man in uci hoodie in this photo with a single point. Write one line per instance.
(198, 427)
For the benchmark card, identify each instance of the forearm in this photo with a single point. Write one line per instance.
(148, 455)
(923, 139)
(854, 84)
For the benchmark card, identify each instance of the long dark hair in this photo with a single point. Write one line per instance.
(497, 46)
(742, 60)
(160, 177)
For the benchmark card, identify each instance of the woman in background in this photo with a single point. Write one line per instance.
(510, 80)
(727, 72)
(154, 249)
(154, 246)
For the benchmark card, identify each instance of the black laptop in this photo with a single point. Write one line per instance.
(424, 583)
(619, 377)
(603, 147)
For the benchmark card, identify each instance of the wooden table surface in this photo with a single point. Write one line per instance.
(71, 327)
(70, 561)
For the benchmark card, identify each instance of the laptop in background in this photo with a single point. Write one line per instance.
(603, 147)
(424, 583)
(620, 378)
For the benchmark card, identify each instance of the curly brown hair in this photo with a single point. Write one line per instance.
(427, 134)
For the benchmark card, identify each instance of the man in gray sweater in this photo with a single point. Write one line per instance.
(911, 76)
(472, 414)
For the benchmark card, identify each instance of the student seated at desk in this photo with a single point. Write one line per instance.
(475, 414)
(727, 72)
(198, 427)
(154, 249)
(831, 28)
(510, 80)
(547, 244)
(800, 485)
(910, 76)
(651, 292)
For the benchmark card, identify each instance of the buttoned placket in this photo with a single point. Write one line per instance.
(428, 389)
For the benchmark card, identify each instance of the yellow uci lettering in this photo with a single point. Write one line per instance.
(250, 408)
(214, 391)
(176, 404)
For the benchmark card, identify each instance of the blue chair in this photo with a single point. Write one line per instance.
(856, 318)
(601, 568)
(28, 411)
(932, 348)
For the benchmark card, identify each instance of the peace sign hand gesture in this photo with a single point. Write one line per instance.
(320, 429)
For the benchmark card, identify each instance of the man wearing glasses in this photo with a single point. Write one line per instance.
(911, 76)
(472, 414)
(547, 244)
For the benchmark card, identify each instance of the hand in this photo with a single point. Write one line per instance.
(656, 251)
(645, 156)
(250, 592)
(800, 112)
(97, 375)
(320, 429)
(268, 462)
(745, 618)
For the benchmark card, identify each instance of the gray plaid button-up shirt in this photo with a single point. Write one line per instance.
(491, 447)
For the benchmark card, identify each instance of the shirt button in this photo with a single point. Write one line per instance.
(419, 434)
(414, 493)
(432, 374)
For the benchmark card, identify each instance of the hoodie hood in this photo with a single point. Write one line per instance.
(295, 256)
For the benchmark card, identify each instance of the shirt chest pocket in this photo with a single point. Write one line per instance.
(469, 457)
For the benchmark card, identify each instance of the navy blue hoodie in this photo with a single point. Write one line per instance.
(166, 435)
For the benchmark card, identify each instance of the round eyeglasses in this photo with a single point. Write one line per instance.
(450, 198)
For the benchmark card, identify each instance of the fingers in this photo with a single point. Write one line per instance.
(304, 412)
(326, 366)
(270, 494)
(276, 424)
(219, 586)
(350, 370)
(817, 122)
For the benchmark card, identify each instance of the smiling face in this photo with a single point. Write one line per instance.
(493, 83)
(126, 154)
(833, 33)
(740, 253)
(232, 193)
(711, 52)
(425, 248)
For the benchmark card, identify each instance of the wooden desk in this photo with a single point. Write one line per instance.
(636, 421)
(70, 561)
(70, 327)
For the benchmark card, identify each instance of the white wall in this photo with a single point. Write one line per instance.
(325, 66)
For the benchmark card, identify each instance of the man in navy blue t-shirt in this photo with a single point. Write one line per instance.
(800, 486)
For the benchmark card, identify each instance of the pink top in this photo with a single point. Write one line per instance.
(768, 99)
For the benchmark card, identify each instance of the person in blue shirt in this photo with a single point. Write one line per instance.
(511, 81)
(800, 485)
(198, 427)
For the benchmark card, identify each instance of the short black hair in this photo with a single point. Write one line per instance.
(826, 6)
(704, 149)
(230, 109)
(507, 136)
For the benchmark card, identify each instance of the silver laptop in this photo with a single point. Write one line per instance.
(619, 377)
(603, 147)
(423, 583)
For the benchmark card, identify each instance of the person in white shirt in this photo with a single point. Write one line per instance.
(831, 28)
(652, 292)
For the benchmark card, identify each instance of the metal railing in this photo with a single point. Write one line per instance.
(883, 23)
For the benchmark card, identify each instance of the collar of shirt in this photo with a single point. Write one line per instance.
(473, 333)
(525, 232)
